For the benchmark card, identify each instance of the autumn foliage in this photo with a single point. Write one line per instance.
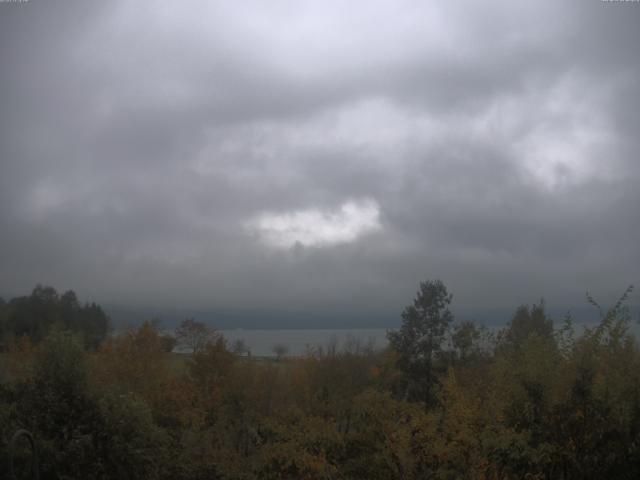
(531, 401)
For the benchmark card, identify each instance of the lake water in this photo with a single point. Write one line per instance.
(298, 342)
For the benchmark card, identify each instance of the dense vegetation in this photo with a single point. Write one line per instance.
(33, 316)
(446, 400)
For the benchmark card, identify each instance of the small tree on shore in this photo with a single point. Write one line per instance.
(240, 347)
(194, 335)
(280, 350)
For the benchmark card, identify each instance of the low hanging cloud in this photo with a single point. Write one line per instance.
(317, 227)
(173, 155)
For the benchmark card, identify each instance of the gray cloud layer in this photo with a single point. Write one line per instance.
(499, 142)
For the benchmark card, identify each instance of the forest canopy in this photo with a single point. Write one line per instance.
(34, 315)
(445, 399)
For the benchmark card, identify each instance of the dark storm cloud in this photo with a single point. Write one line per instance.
(153, 154)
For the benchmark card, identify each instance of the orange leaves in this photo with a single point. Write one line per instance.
(19, 359)
(134, 361)
(183, 403)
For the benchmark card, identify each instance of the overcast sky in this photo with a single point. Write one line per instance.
(321, 156)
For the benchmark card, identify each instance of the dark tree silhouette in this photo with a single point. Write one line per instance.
(419, 340)
(194, 335)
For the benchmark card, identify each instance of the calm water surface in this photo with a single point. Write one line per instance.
(298, 342)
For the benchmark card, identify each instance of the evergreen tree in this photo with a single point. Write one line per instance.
(419, 340)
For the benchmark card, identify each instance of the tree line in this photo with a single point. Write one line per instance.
(32, 316)
(444, 400)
